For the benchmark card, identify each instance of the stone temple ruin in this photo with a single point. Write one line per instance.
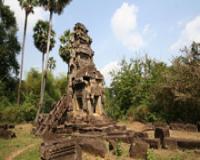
(84, 96)
(78, 123)
(85, 81)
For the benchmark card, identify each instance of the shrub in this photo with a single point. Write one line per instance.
(151, 155)
(118, 149)
(142, 113)
(16, 114)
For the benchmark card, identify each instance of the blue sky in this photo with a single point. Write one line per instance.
(119, 29)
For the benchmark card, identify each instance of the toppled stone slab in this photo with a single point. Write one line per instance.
(153, 143)
(125, 136)
(188, 143)
(198, 126)
(6, 134)
(161, 124)
(95, 146)
(140, 135)
(60, 150)
(121, 138)
(170, 143)
(184, 127)
(7, 126)
(161, 133)
(139, 150)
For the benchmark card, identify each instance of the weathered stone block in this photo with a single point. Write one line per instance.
(94, 146)
(6, 134)
(184, 127)
(198, 126)
(188, 143)
(121, 138)
(139, 149)
(153, 143)
(161, 133)
(140, 135)
(60, 149)
(170, 143)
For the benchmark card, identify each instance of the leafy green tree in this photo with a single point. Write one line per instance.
(53, 6)
(27, 5)
(61, 84)
(32, 88)
(178, 97)
(9, 49)
(40, 37)
(131, 88)
(65, 46)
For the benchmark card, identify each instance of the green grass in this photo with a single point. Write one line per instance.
(24, 138)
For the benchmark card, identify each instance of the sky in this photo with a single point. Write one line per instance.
(119, 29)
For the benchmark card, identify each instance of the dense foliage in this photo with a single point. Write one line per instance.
(144, 89)
(9, 50)
(65, 47)
(178, 97)
(131, 89)
(30, 97)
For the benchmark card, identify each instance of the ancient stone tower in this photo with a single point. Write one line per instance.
(85, 81)
(84, 97)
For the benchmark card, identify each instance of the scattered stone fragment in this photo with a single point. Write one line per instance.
(140, 135)
(161, 133)
(60, 150)
(139, 150)
(184, 127)
(5, 133)
(153, 143)
(198, 126)
(188, 143)
(170, 143)
(93, 146)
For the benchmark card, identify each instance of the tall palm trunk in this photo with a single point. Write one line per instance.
(45, 70)
(40, 106)
(43, 62)
(22, 59)
(43, 54)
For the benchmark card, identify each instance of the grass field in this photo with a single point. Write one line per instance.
(26, 147)
(23, 140)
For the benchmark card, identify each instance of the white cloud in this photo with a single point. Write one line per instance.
(147, 29)
(190, 32)
(124, 26)
(112, 66)
(39, 13)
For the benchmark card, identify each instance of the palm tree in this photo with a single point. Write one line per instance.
(40, 37)
(53, 6)
(51, 64)
(27, 5)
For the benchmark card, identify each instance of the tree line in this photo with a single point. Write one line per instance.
(148, 90)
(143, 89)
(44, 39)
